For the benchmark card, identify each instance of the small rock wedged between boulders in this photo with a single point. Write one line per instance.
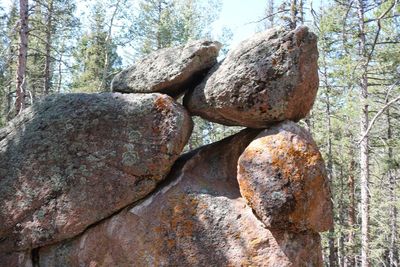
(169, 70)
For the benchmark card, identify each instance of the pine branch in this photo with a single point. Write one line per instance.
(379, 113)
(378, 20)
(270, 15)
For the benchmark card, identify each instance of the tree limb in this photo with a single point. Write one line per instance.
(271, 15)
(379, 113)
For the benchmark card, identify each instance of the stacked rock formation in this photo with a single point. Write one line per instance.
(98, 180)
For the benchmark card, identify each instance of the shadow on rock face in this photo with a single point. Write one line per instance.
(196, 217)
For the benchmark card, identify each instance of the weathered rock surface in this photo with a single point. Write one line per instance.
(196, 218)
(16, 259)
(282, 176)
(270, 77)
(170, 70)
(75, 159)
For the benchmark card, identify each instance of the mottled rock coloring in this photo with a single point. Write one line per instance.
(169, 70)
(98, 180)
(282, 176)
(271, 77)
(72, 160)
(197, 218)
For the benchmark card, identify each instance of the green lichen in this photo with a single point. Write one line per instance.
(40, 214)
(130, 157)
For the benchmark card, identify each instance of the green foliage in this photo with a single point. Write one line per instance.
(90, 56)
(165, 23)
(340, 73)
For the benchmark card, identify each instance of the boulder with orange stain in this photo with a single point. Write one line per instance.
(282, 176)
(196, 218)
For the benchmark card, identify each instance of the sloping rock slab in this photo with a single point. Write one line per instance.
(170, 70)
(271, 77)
(282, 176)
(197, 218)
(71, 160)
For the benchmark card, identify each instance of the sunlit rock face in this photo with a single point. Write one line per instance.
(72, 160)
(270, 77)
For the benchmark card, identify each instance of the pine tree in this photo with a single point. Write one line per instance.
(93, 50)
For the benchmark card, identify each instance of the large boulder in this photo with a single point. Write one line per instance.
(170, 70)
(282, 176)
(195, 218)
(72, 160)
(271, 77)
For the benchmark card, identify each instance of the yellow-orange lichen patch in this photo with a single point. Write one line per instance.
(282, 176)
(162, 103)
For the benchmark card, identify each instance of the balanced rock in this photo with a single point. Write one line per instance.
(282, 176)
(196, 218)
(270, 77)
(72, 160)
(170, 70)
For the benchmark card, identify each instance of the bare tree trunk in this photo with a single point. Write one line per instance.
(331, 239)
(351, 213)
(364, 153)
(331, 235)
(106, 66)
(340, 258)
(301, 11)
(22, 57)
(293, 14)
(49, 26)
(59, 75)
(160, 10)
(392, 197)
(270, 12)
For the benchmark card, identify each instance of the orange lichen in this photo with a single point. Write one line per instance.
(299, 162)
(246, 190)
(162, 103)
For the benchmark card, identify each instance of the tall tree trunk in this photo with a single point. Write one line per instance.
(60, 69)
(159, 13)
(392, 197)
(364, 153)
(340, 258)
(106, 66)
(293, 14)
(49, 30)
(351, 212)
(22, 57)
(270, 14)
(301, 11)
(331, 240)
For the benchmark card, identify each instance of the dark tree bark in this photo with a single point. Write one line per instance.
(22, 57)
(364, 153)
(351, 212)
(393, 253)
(49, 30)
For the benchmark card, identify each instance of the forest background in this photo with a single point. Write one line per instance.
(63, 46)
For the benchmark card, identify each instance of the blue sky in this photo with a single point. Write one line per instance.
(236, 14)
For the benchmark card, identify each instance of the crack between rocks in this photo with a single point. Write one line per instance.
(171, 177)
(35, 257)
